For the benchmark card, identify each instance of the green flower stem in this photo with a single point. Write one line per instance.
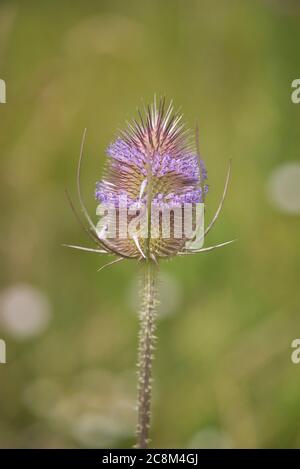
(146, 350)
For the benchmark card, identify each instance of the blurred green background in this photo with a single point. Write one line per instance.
(223, 370)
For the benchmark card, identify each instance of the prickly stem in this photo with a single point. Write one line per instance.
(146, 351)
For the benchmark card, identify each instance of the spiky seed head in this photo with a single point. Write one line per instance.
(153, 163)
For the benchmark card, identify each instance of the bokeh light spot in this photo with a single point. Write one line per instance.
(284, 188)
(24, 311)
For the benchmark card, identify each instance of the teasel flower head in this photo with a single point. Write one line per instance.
(153, 165)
